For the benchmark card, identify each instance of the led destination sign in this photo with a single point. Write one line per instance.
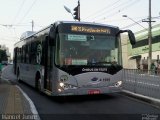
(87, 29)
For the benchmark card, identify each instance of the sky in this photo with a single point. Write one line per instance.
(16, 16)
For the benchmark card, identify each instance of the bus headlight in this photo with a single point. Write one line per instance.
(59, 90)
(67, 86)
(118, 84)
(61, 84)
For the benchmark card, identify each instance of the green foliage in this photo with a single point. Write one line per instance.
(3, 55)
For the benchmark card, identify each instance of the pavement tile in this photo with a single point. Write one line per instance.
(12, 100)
(4, 93)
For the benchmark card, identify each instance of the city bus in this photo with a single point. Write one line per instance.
(71, 58)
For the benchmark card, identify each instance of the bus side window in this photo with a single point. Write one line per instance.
(33, 55)
(27, 53)
(43, 53)
(23, 54)
(37, 52)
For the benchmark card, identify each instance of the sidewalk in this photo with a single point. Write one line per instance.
(11, 100)
(153, 101)
(14, 104)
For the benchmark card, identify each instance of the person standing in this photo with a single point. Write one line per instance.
(156, 66)
(152, 68)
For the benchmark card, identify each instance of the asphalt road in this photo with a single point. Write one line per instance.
(102, 107)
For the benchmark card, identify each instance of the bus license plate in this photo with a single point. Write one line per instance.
(91, 92)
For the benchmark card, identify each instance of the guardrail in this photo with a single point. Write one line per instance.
(142, 82)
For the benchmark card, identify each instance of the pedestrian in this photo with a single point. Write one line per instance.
(158, 69)
(156, 66)
(152, 67)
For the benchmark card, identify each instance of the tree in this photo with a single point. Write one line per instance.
(3, 55)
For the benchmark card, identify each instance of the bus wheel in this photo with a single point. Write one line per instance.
(38, 82)
(18, 75)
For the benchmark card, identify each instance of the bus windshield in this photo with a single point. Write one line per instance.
(83, 49)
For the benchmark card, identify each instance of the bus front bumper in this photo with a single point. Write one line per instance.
(89, 91)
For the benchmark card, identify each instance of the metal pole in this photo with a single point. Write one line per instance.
(32, 24)
(149, 38)
(134, 21)
(137, 23)
(79, 10)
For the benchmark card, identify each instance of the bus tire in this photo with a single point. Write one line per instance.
(38, 81)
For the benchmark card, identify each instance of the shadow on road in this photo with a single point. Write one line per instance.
(82, 98)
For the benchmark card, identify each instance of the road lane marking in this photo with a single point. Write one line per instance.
(32, 106)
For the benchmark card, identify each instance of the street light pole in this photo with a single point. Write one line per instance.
(133, 21)
(79, 9)
(150, 38)
(32, 25)
(76, 13)
(68, 10)
(149, 35)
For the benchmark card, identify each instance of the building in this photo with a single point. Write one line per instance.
(136, 56)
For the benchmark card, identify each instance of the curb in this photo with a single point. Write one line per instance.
(155, 102)
(32, 106)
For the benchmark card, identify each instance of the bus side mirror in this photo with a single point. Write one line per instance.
(131, 37)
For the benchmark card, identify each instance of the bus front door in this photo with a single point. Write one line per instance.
(47, 64)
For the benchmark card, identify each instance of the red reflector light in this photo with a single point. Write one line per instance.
(91, 92)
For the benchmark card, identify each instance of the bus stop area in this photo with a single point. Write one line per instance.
(12, 100)
(14, 103)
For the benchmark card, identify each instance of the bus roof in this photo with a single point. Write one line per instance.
(87, 23)
(69, 22)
